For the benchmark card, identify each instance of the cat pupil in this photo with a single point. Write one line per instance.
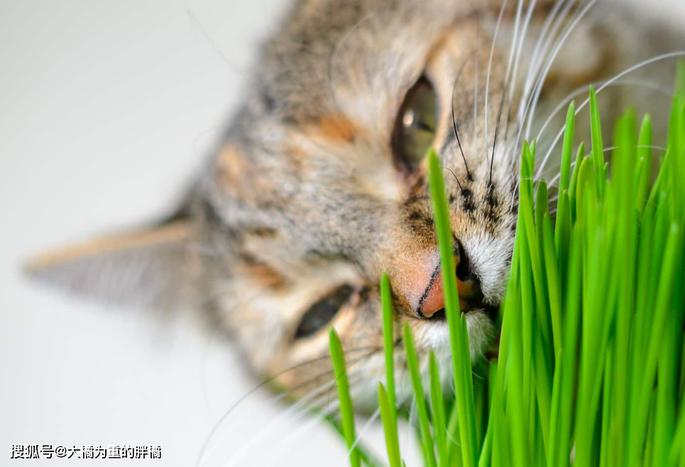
(323, 311)
(416, 124)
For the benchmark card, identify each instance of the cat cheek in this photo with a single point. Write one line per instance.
(232, 168)
(238, 177)
(335, 128)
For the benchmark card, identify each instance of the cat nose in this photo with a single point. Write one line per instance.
(432, 302)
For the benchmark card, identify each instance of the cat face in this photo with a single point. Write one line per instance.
(322, 184)
(319, 186)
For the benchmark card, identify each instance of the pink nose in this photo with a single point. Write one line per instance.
(432, 299)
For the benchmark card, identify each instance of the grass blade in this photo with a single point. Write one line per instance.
(389, 420)
(461, 355)
(419, 397)
(344, 398)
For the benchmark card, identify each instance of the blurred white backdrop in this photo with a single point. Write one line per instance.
(106, 108)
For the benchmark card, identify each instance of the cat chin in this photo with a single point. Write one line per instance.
(435, 335)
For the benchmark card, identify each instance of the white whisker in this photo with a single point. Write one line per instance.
(538, 50)
(541, 50)
(315, 420)
(583, 89)
(514, 42)
(489, 72)
(206, 452)
(542, 47)
(555, 179)
(512, 79)
(475, 91)
(529, 112)
(304, 400)
(362, 431)
(642, 64)
(300, 408)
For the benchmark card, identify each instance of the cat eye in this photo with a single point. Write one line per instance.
(323, 311)
(416, 124)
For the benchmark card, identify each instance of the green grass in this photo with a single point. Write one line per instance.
(591, 365)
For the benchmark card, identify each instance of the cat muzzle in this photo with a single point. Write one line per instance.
(432, 302)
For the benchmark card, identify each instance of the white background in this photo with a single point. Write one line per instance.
(106, 107)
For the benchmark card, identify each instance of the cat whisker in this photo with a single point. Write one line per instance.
(311, 423)
(542, 49)
(489, 72)
(296, 410)
(476, 76)
(456, 179)
(554, 20)
(531, 105)
(365, 428)
(497, 123)
(212, 43)
(413, 413)
(302, 401)
(548, 32)
(324, 407)
(461, 150)
(514, 41)
(295, 407)
(513, 77)
(373, 418)
(513, 57)
(538, 49)
(609, 82)
(553, 181)
(583, 90)
(471, 56)
(320, 398)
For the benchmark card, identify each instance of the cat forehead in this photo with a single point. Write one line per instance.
(329, 86)
(349, 57)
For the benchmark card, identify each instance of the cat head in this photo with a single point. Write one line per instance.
(320, 186)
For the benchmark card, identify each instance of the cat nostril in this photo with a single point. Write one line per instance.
(463, 271)
(438, 315)
(470, 293)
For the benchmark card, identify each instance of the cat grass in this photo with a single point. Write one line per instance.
(591, 362)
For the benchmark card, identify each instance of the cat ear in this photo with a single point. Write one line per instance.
(151, 267)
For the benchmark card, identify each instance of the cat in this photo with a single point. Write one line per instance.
(319, 185)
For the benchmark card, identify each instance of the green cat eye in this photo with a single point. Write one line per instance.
(416, 124)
